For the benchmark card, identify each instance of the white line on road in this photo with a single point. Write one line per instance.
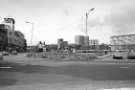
(124, 67)
(120, 89)
(6, 67)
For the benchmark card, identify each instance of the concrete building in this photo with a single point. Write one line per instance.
(79, 40)
(65, 43)
(93, 42)
(62, 44)
(82, 40)
(59, 43)
(123, 42)
(3, 38)
(9, 22)
(86, 40)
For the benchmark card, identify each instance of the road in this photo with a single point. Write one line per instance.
(38, 74)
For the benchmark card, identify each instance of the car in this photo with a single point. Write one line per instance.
(131, 54)
(118, 54)
(5, 53)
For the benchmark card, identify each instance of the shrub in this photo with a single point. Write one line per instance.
(29, 55)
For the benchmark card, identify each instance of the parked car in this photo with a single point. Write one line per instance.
(131, 54)
(119, 54)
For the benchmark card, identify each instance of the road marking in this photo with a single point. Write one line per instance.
(124, 67)
(120, 89)
(6, 67)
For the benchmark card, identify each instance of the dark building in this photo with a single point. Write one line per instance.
(3, 38)
(9, 37)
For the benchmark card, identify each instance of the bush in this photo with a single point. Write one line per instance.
(44, 56)
(29, 55)
(79, 57)
(62, 56)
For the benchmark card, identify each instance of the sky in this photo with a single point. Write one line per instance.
(55, 19)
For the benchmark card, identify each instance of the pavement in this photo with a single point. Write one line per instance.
(41, 74)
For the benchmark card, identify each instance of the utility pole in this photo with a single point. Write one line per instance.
(87, 14)
(86, 24)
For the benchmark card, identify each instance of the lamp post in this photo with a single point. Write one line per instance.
(32, 30)
(87, 14)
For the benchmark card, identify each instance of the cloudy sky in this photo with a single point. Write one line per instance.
(55, 19)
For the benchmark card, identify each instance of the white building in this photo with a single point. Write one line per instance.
(123, 42)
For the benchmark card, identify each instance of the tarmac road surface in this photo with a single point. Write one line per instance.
(25, 74)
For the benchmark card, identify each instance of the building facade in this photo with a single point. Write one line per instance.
(9, 37)
(62, 44)
(123, 42)
(82, 40)
(86, 40)
(79, 40)
(93, 42)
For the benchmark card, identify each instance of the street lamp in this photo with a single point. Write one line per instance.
(87, 14)
(31, 31)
